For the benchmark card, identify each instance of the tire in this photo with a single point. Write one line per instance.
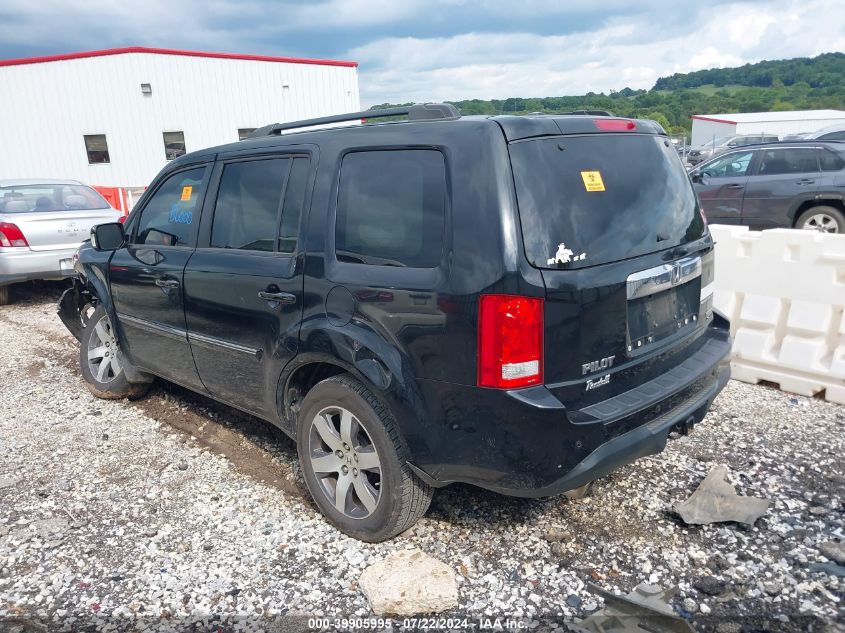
(343, 426)
(4, 295)
(103, 372)
(822, 218)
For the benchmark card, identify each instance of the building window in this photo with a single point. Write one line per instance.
(174, 145)
(243, 132)
(97, 148)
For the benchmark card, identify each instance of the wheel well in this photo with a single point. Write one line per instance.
(822, 202)
(299, 384)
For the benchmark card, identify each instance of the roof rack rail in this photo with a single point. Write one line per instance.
(590, 112)
(416, 112)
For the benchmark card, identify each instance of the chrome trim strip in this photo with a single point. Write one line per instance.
(660, 278)
(212, 342)
(153, 327)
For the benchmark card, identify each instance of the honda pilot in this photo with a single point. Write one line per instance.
(521, 303)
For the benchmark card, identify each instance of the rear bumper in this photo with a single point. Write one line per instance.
(28, 265)
(648, 439)
(527, 444)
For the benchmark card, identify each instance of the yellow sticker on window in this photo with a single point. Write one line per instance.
(592, 180)
(188, 190)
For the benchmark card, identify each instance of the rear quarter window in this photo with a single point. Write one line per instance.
(391, 208)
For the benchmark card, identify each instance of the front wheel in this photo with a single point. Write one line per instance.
(355, 463)
(822, 218)
(101, 361)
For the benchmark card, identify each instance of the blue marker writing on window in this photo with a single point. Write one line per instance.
(179, 216)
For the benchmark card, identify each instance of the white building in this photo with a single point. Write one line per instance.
(114, 117)
(706, 127)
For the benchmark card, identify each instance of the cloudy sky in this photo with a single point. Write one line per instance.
(429, 50)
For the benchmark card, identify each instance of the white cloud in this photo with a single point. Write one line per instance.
(621, 52)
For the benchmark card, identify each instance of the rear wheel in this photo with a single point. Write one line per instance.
(822, 218)
(355, 464)
(4, 295)
(101, 361)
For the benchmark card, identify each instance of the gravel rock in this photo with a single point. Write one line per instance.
(409, 582)
(239, 517)
(709, 585)
(834, 551)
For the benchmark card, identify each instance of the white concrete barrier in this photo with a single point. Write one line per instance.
(784, 292)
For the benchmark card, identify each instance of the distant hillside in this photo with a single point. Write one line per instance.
(824, 71)
(792, 84)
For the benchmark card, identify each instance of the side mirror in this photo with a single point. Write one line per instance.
(108, 237)
(695, 176)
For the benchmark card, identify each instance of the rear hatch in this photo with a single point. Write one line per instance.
(612, 221)
(54, 216)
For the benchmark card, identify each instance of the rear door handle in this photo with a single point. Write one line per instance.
(735, 186)
(806, 181)
(167, 283)
(277, 297)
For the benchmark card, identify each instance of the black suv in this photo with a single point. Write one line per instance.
(520, 303)
(794, 184)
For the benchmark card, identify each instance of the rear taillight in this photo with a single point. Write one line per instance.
(510, 341)
(703, 217)
(122, 219)
(615, 125)
(11, 236)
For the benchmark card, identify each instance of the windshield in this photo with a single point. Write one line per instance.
(593, 199)
(49, 197)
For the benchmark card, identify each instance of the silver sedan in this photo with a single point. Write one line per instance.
(42, 222)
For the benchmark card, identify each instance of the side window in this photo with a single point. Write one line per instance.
(830, 161)
(170, 216)
(788, 161)
(246, 215)
(729, 166)
(391, 208)
(292, 207)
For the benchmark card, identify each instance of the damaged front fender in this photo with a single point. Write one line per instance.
(73, 308)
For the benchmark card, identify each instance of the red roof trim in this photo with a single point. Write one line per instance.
(710, 118)
(170, 51)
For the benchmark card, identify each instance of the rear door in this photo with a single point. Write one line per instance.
(243, 286)
(613, 222)
(781, 177)
(146, 276)
(721, 184)
(55, 216)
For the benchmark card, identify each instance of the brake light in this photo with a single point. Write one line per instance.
(11, 236)
(703, 217)
(615, 125)
(510, 341)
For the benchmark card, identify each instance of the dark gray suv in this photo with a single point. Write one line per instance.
(796, 184)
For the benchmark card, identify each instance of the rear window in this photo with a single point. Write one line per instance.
(587, 200)
(49, 197)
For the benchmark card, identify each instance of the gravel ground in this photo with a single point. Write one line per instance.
(174, 509)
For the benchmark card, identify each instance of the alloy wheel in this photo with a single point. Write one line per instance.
(821, 222)
(103, 354)
(345, 462)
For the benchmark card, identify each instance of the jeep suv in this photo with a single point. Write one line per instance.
(519, 303)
